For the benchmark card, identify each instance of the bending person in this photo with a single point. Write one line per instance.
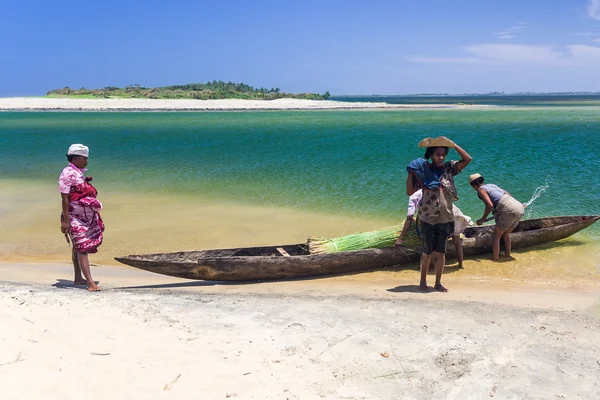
(507, 212)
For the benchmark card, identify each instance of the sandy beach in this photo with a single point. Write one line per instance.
(75, 104)
(154, 337)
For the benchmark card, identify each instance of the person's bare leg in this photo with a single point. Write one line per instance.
(78, 280)
(84, 264)
(425, 259)
(457, 241)
(507, 243)
(496, 243)
(432, 262)
(441, 260)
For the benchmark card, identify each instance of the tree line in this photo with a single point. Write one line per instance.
(200, 91)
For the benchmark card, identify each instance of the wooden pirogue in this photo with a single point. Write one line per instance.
(294, 260)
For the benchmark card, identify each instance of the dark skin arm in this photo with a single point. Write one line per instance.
(465, 157)
(411, 188)
(485, 197)
(65, 224)
(407, 224)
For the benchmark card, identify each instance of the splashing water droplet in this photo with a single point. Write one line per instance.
(537, 193)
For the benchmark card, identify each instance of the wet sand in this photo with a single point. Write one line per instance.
(139, 224)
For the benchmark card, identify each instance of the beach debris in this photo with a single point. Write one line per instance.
(28, 320)
(99, 354)
(340, 341)
(388, 375)
(169, 385)
(247, 373)
(384, 354)
(16, 360)
(228, 395)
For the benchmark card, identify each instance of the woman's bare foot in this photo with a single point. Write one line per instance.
(440, 288)
(79, 282)
(423, 287)
(92, 287)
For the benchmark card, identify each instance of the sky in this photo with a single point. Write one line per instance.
(346, 47)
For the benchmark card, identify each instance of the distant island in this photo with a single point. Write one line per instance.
(199, 91)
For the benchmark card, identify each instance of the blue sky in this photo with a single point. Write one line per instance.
(345, 47)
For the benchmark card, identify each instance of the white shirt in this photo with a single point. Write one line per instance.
(461, 221)
(413, 202)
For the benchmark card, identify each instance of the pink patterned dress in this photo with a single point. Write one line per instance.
(86, 223)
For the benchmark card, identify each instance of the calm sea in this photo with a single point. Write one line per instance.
(347, 164)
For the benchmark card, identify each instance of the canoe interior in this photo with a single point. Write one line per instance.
(528, 225)
(300, 249)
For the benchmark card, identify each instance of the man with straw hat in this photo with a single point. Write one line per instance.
(435, 221)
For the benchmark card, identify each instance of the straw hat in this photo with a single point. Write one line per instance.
(440, 141)
(474, 176)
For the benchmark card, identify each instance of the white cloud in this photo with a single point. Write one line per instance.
(583, 34)
(519, 54)
(594, 9)
(585, 52)
(596, 40)
(509, 33)
(513, 53)
(445, 60)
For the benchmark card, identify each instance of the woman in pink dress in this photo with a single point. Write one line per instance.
(80, 217)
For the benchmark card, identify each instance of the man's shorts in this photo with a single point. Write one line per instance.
(434, 237)
(508, 212)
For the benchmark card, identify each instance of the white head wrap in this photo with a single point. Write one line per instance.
(78, 150)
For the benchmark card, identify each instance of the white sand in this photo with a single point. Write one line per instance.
(42, 103)
(152, 337)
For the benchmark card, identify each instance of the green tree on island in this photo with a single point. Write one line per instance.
(199, 91)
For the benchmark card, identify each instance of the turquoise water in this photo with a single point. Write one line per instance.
(342, 162)
(498, 100)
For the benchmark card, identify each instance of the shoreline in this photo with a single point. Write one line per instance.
(138, 105)
(31, 235)
(368, 285)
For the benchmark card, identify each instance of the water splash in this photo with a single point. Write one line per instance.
(537, 193)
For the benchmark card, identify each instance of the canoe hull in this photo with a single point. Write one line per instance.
(267, 263)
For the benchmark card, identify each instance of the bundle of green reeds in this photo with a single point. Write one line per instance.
(364, 240)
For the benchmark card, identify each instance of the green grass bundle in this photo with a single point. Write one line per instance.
(364, 240)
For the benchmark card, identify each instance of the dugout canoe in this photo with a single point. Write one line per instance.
(294, 260)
